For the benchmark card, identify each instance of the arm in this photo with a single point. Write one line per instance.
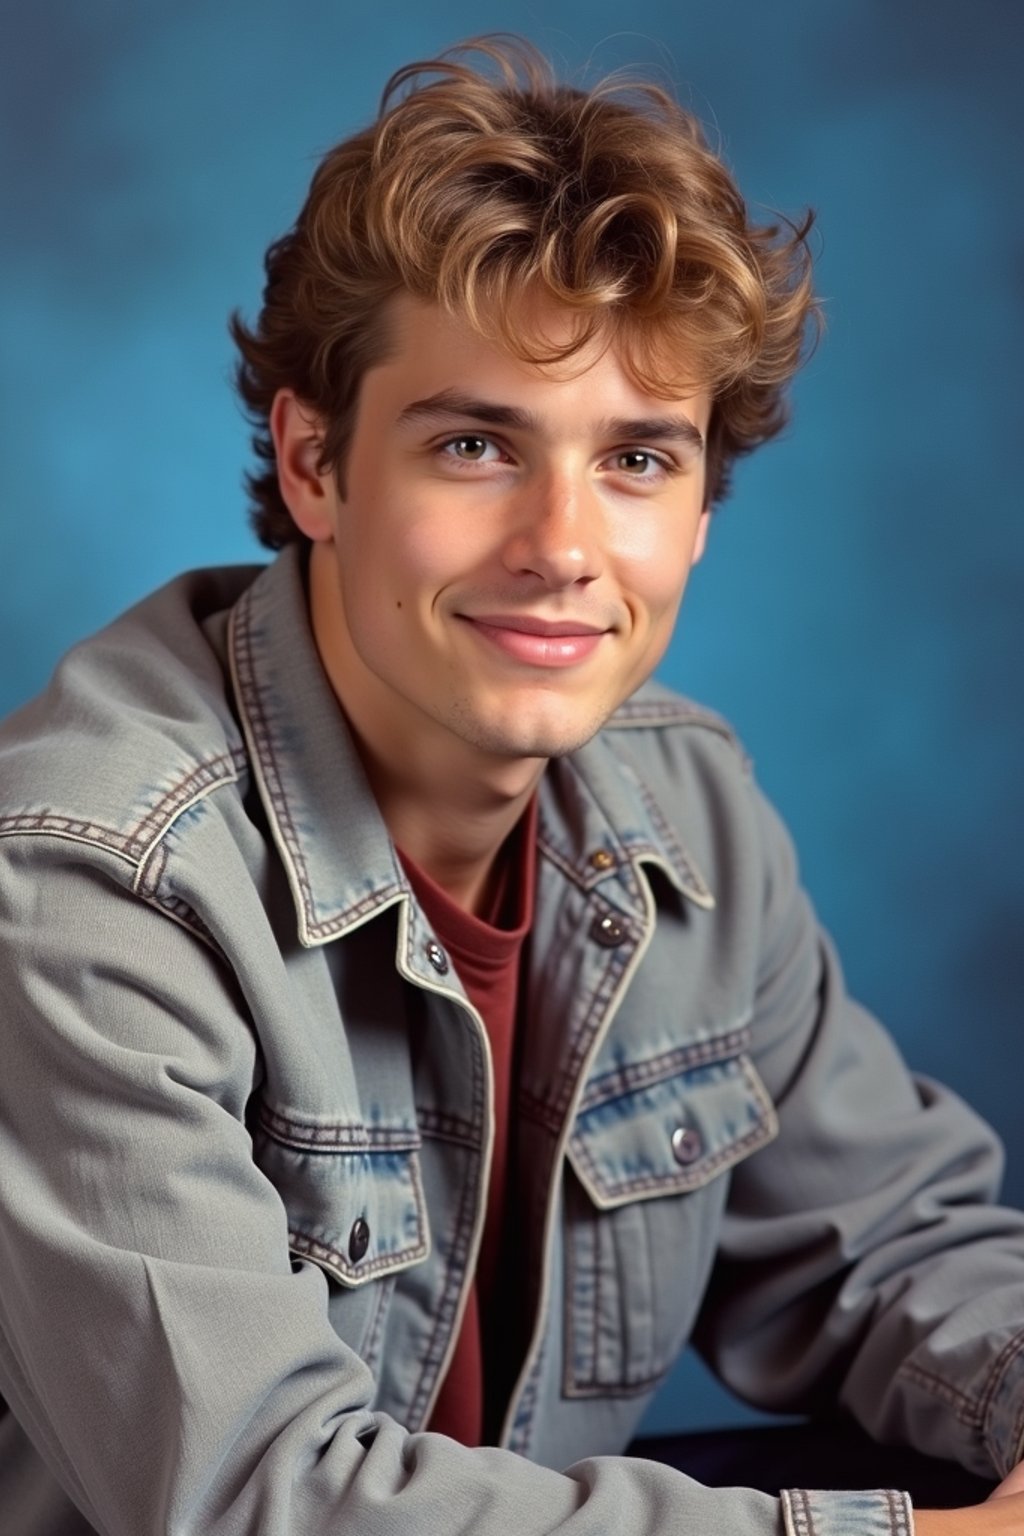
(173, 1368)
(1002, 1514)
(863, 1260)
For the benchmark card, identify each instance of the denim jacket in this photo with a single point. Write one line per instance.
(245, 1128)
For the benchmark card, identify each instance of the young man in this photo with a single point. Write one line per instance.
(413, 1028)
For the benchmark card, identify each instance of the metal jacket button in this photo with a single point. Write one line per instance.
(607, 931)
(601, 859)
(358, 1240)
(686, 1145)
(436, 956)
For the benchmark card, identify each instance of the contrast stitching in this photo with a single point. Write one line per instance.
(207, 775)
(326, 928)
(446, 1127)
(325, 1253)
(309, 1136)
(1004, 1360)
(586, 878)
(679, 711)
(569, 1311)
(139, 840)
(375, 1331)
(457, 1262)
(618, 961)
(671, 840)
(622, 1080)
(803, 1519)
(898, 1514)
(253, 703)
(71, 827)
(683, 1180)
(966, 1409)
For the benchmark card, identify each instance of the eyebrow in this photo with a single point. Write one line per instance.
(453, 403)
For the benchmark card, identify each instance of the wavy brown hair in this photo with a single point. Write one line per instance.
(479, 188)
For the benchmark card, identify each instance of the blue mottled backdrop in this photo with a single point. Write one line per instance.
(859, 614)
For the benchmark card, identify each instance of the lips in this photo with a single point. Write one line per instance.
(537, 642)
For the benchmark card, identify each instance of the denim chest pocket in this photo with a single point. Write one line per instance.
(643, 1204)
(353, 1194)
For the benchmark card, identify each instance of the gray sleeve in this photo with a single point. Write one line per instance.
(862, 1258)
(173, 1369)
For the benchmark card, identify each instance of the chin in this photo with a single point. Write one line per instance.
(523, 739)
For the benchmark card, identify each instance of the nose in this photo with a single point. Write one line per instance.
(558, 532)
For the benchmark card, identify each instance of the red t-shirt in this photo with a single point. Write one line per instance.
(486, 956)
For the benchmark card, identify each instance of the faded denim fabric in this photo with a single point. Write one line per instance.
(245, 1128)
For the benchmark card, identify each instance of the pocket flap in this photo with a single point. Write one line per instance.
(670, 1124)
(353, 1194)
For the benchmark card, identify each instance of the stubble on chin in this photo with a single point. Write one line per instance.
(513, 738)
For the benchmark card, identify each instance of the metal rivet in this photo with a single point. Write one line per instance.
(436, 956)
(608, 931)
(358, 1240)
(686, 1145)
(602, 859)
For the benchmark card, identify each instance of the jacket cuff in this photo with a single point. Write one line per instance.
(1003, 1413)
(875, 1512)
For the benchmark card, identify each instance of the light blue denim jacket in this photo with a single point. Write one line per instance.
(245, 1125)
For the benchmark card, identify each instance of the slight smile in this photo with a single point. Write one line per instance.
(537, 642)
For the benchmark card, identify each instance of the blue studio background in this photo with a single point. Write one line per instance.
(858, 615)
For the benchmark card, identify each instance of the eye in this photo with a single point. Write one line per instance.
(471, 448)
(639, 463)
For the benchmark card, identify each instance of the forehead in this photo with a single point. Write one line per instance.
(432, 350)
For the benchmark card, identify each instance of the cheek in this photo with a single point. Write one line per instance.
(654, 565)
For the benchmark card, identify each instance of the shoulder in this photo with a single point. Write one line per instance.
(672, 737)
(697, 779)
(136, 724)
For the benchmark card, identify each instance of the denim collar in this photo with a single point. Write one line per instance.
(596, 816)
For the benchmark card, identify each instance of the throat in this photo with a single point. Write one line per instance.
(475, 866)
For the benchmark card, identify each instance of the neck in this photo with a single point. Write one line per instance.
(449, 806)
(460, 849)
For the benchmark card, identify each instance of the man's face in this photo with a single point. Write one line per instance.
(507, 561)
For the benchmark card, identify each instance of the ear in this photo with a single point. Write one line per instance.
(306, 491)
(700, 542)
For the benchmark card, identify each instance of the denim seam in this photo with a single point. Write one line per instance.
(375, 1329)
(520, 1439)
(67, 829)
(252, 703)
(196, 786)
(307, 1246)
(440, 1126)
(551, 1113)
(310, 1136)
(575, 1384)
(586, 879)
(968, 1410)
(623, 1080)
(1011, 1352)
(463, 1226)
(137, 843)
(681, 1181)
(672, 841)
(675, 711)
(411, 1252)
(188, 918)
(619, 959)
(898, 1512)
(570, 1312)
